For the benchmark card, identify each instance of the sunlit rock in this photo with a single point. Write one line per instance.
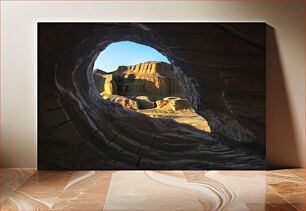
(104, 83)
(144, 102)
(151, 88)
(172, 104)
(124, 101)
(149, 78)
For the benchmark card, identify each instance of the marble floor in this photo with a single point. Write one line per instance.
(29, 189)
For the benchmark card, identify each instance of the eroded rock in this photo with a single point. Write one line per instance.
(151, 88)
(147, 85)
(145, 103)
(155, 79)
(123, 101)
(172, 104)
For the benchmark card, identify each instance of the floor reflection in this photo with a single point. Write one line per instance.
(28, 189)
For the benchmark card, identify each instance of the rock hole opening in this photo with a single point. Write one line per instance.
(141, 79)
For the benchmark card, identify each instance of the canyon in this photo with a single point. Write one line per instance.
(150, 88)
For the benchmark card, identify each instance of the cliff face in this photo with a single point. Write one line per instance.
(142, 86)
(150, 88)
(154, 79)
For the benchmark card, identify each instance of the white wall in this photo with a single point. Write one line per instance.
(19, 59)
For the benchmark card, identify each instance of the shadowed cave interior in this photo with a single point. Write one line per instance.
(220, 70)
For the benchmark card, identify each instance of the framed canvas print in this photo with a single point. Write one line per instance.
(161, 96)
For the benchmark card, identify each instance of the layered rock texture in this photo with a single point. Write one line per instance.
(151, 88)
(150, 85)
(155, 79)
(221, 73)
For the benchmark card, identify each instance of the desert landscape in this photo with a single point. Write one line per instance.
(150, 88)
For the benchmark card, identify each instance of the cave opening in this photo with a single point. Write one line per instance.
(141, 79)
(220, 72)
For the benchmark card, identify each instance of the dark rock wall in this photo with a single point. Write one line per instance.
(225, 64)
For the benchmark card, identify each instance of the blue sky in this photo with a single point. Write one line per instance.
(126, 53)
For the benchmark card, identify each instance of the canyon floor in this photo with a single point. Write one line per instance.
(188, 116)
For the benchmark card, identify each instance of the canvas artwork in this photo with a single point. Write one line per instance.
(160, 96)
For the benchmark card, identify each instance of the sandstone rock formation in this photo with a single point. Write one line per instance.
(149, 78)
(222, 74)
(150, 88)
(124, 101)
(144, 102)
(104, 83)
(148, 84)
(172, 104)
